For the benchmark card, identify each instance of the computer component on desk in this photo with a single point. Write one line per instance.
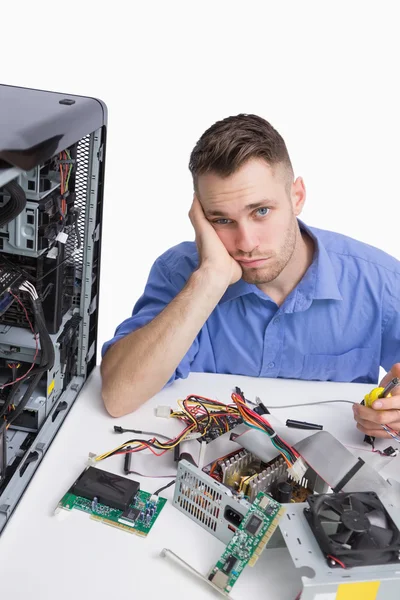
(52, 159)
(348, 537)
(113, 500)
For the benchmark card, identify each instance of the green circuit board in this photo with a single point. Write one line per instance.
(249, 541)
(139, 518)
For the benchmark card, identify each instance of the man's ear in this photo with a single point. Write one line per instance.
(298, 195)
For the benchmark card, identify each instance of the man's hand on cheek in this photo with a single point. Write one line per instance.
(385, 411)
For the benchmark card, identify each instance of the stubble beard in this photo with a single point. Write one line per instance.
(275, 264)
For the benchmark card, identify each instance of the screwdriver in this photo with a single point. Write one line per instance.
(376, 393)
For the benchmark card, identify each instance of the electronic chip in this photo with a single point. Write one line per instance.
(230, 563)
(264, 502)
(109, 489)
(129, 516)
(253, 525)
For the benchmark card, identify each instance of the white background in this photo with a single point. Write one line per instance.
(326, 75)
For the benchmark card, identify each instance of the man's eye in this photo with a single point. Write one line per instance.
(263, 211)
(221, 221)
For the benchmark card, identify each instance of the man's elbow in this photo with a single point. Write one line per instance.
(118, 402)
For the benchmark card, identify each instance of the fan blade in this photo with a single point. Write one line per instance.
(323, 518)
(378, 518)
(356, 504)
(382, 537)
(341, 537)
(328, 515)
(333, 505)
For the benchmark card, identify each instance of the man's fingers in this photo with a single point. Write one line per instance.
(376, 416)
(391, 403)
(370, 425)
(379, 433)
(196, 213)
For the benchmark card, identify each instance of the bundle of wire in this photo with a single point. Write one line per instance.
(206, 413)
(12, 408)
(197, 412)
(157, 447)
(394, 434)
(256, 421)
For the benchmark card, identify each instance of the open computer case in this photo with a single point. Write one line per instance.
(52, 159)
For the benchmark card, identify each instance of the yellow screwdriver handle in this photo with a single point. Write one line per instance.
(374, 395)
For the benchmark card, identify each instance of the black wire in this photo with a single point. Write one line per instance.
(55, 268)
(119, 429)
(165, 487)
(47, 357)
(15, 205)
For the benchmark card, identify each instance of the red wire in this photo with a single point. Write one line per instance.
(339, 562)
(36, 340)
(258, 417)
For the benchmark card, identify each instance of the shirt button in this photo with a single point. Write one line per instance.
(271, 365)
(276, 320)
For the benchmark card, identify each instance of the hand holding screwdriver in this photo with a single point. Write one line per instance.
(379, 413)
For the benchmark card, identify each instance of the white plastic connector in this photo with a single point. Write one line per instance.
(91, 462)
(192, 436)
(162, 411)
(154, 499)
(298, 470)
(53, 252)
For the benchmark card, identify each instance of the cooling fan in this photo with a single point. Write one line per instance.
(354, 528)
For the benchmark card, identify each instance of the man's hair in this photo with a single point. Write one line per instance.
(229, 144)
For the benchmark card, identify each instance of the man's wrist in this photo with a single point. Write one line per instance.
(210, 276)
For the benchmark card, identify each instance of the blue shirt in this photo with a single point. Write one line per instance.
(341, 322)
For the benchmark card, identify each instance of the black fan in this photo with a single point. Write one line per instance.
(354, 528)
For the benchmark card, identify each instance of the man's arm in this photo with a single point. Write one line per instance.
(137, 366)
(140, 364)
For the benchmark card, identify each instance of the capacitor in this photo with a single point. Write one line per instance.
(284, 492)
(95, 502)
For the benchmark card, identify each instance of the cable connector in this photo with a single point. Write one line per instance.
(162, 411)
(390, 451)
(91, 462)
(192, 436)
(298, 469)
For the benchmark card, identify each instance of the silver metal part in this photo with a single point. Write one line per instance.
(235, 464)
(333, 462)
(166, 553)
(88, 171)
(27, 468)
(9, 174)
(206, 501)
(264, 481)
(21, 235)
(30, 183)
(321, 581)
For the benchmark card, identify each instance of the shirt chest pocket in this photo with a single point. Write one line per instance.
(350, 366)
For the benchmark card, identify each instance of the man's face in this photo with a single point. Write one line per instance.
(254, 214)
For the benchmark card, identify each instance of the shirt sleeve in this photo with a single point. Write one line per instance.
(160, 289)
(390, 352)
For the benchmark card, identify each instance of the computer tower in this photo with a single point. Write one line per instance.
(52, 161)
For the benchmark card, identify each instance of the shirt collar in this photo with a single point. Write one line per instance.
(318, 283)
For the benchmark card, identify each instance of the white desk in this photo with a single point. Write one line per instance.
(43, 558)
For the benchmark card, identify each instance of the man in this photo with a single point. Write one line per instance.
(259, 293)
